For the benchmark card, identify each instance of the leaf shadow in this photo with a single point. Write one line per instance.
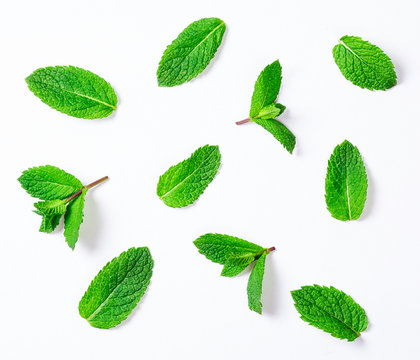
(370, 196)
(90, 229)
(269, 297)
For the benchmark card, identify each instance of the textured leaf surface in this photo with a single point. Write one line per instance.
(255, 285)
(270, 111)
(49, 222)
(364, 64)
(183, 183)
(346, 183)
(191, 52)
(49, 183)
(117, 288)
(279, 131)
(74, 218)
(330, 310)
(73, 91)
(224, 249)
(266, 88)
(51, 207)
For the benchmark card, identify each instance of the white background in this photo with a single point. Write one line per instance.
(261, 193)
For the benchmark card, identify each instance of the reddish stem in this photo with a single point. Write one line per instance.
(76, 194)
(244, 121)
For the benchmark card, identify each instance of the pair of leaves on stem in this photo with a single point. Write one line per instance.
(264, 109)
(73, 91)
(62, 194)
(364, 64)
(236, 255)
(117, 288)
(330, 310)
(346, 183)
(183, 183)
(190, 53)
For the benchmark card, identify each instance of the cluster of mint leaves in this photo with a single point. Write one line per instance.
(62, 194)
(118, 287)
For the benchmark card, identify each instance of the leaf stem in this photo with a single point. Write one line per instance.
(91, 185)
(269, 250)
(244, 121)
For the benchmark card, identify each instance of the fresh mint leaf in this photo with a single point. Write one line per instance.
(74, 218)
(264, 110)
(62, 193)
(346, 183)
(191, 52)
(183, 183)
(73, 91)
(364, 64)
(254, 288)
(115, 291)
(266, 88)
(49, 183)
(279, 131)
(330, 310)
(236, 255)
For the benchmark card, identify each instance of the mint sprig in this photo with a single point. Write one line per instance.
(330, 310)
(236, 255)
(264, 109)
(191, 52)
(62, 194)
(73, 91)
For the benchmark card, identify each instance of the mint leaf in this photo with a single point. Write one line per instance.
(254, 288)
(279, 131)
(364, 64)
(63, 194)
(73, 91)
(270, 111)
(345, 183)
(191, 52)
(236, 254)
(266, 88)
(73, 219)
(115, 291)
(183, 183)
(49, 183)
(330, 310)
(264, 110)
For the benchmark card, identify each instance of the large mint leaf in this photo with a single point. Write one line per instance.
(191, 52)
(266, 88)
(364, 64)
(255, 281)
(73, 218)
(49, 183)
(346, 183)
(73, 91)
(235, 253)
(116, 290)
(183, 183)
(330, 310)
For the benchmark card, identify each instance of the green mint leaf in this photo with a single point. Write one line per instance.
(243, 259)
(279, 131)
(51, 207)
(266, 88)
(49, 183)
(254, 288)
(191, 52)
(73, 91)
(364, 64)
(183, 183)
(270, 111)
(222, 249)
(330, 310)
(74, 218)
(49, 222)
(346, 183)
(116, 290)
